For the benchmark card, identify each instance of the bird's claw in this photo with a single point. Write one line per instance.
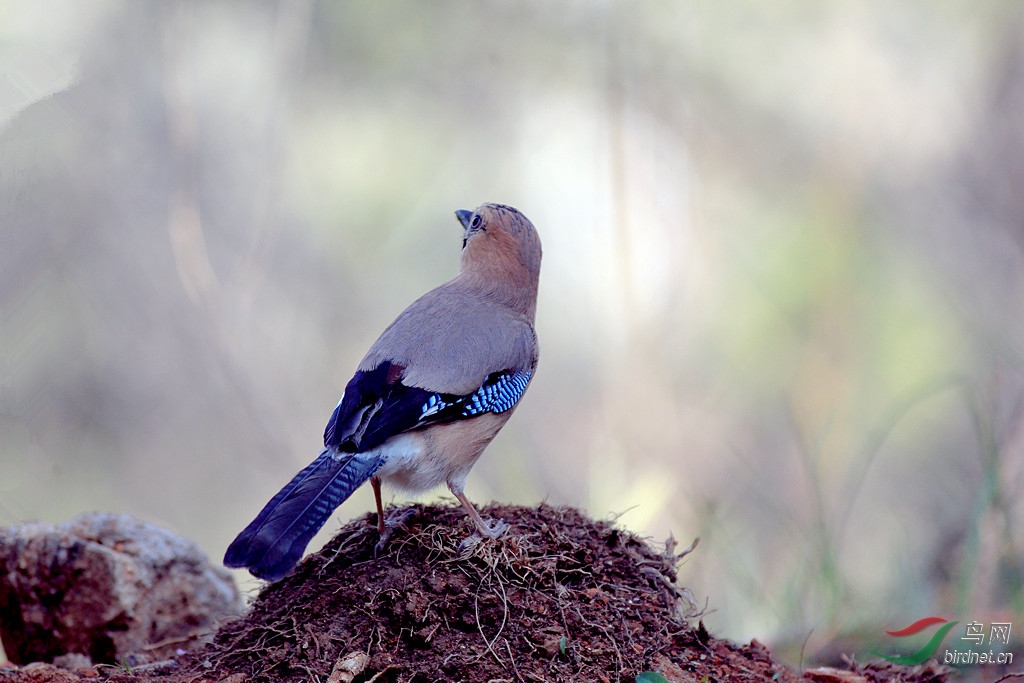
(496, 529)
(492, 531)
(390, 524)
(467, 543)
(382, 543)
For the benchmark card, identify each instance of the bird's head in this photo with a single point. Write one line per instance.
(501, 249)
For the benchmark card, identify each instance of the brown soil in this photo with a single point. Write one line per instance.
(557, 598)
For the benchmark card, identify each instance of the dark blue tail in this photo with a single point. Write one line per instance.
(273, 542)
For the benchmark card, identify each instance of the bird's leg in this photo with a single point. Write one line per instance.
(386, 526)
(375, 483)
(490, 531)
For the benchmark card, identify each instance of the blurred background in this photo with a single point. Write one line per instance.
(780, 302)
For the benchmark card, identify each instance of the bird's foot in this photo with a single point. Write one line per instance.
(496, 529)
(390, 524)
(491, 531)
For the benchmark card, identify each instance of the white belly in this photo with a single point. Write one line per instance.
(406, 465)
(443, 453)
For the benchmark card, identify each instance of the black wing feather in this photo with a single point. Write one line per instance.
(372, 410)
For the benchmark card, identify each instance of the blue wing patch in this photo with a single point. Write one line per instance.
(499, 392)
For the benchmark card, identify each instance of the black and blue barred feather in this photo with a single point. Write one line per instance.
(499, 392)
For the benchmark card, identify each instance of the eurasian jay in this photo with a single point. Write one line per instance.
(427, 398)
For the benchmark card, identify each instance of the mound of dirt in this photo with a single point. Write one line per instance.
(557, 598)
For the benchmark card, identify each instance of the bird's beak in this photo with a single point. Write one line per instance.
(464, 217)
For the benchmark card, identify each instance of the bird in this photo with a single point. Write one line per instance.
(425, 401)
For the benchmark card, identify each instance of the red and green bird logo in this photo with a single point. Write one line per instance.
(930, 647)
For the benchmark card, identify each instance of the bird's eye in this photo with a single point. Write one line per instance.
(475, 223)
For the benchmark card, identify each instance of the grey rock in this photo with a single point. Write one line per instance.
(109, 587)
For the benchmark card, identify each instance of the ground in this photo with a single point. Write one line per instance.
(559, 597)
